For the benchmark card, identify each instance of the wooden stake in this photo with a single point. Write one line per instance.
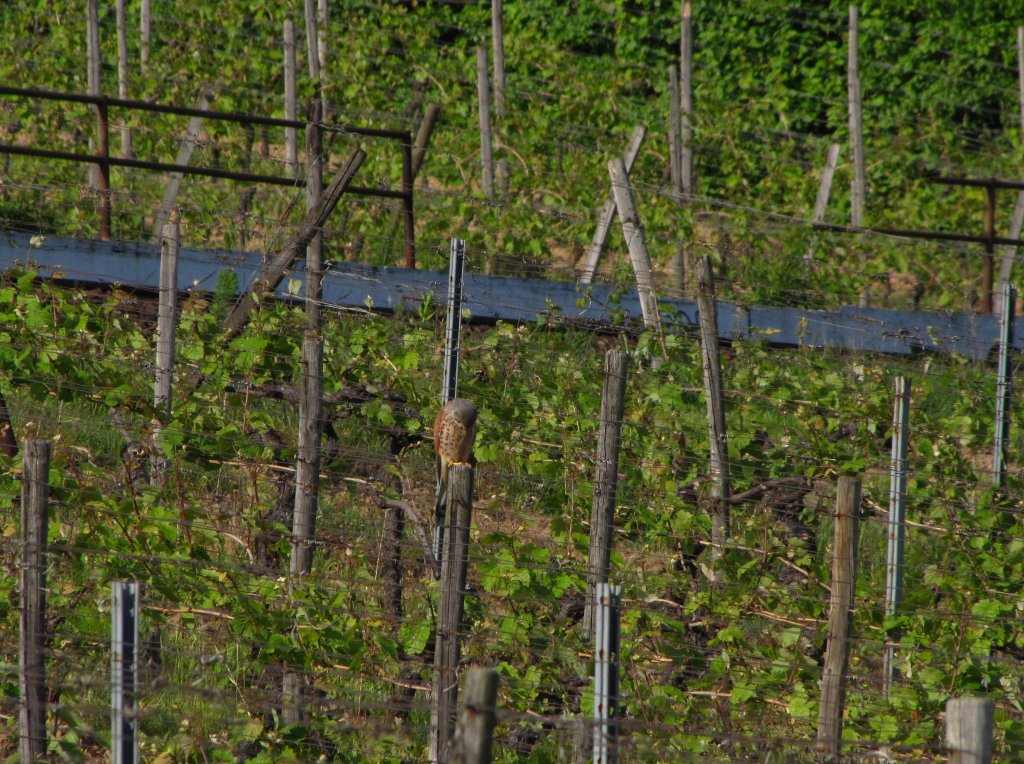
(675, 146)
(474, 733)
(165, 330)
(447, 647)
(291, 144)
(145, 32)
(606, 474)
(686, 99)
(312, 54)
(484, 99)
(423, 135)
(35, 495)
(498, 40)
(604, 224)
(633, 232)
(307, 472)
(188, 144)
(714, 396)
(122, 73)
(824, 191)
(844, 575)
(279, 266)
(92, 52)
(1017, 222)
(969, 730)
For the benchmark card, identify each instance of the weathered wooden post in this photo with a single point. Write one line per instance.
(291, 111)
(714, 396)
(897, 518)
(307, 468)
(604, 224)
(484, 99)
(124, 672)
(853, 93)
(837, 650)
(498, 43)
(474, 732)
(602, 512)
(969, 730)
(145, 32)
(1004, 383)
(188, 144)
(1017, 222)
(122, 72)
(166, 320)
(633, 232)
(447, 647)
(824, 191)
(35, 497)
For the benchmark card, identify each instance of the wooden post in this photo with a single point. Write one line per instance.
(633, 232)
(897, 519)
(675, 150)
(188, 143)
(423, 134)
(856, 123)
(291, 144)
(447, 648)
(686, 98)
(124, 672)
(35, 495)
(498, 40)
(273, 273)
(474, 732)
(145, 32)
(1004, 384)
(824, 191)
(969, 730)
(858, 186)
(837, 650)
(321, 39)
(166, 321)
(1017, 222)
(608, 211)
(484, 99)
(122, 73)
(606, 473)
(718, 464)
(307, 472)
(313, 54)
(988, 262)
(92, 72)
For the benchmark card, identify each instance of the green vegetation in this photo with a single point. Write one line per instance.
(727, 670)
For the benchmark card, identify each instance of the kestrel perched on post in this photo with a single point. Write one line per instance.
(454, 433)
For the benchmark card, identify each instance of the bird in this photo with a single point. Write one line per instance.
(454, 433)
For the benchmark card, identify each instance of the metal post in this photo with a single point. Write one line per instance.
(456, 268)
(452, 341)
(897, 518)
(124, 672)
(606, 673)
(1004, 389)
